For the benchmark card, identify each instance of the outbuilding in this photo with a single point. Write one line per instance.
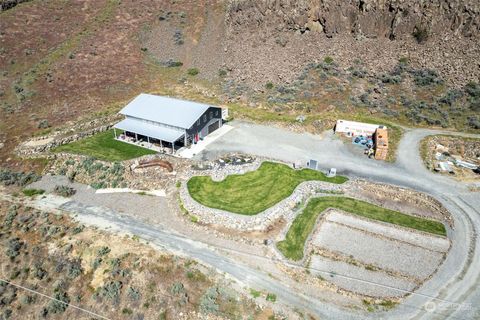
(353, 128)
(160, 123)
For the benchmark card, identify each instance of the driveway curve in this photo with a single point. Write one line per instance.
(454, 290)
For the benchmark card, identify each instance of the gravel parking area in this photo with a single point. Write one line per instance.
(130, 203)
(394, 232)
(407, 259)
(360, 280)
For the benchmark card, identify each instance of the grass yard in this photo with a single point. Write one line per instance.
(103, 146)
(255, 191)
(293, 245)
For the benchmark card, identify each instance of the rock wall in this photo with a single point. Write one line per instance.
(391, 19)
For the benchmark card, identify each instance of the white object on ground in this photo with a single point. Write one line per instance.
(197, 148)
(158, 193)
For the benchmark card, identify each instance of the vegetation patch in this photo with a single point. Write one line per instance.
(103, 146)
(32, 192)
(255, 191)
(64, 191)
(302, 226)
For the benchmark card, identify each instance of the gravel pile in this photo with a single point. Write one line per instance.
(149, 206)
(360, 280)
(396, 256)
(394, 232)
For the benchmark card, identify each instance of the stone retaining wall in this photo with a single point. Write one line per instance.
(67, 135)
(287, 208)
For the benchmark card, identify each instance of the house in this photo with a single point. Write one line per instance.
(160, 123)
(353, 128)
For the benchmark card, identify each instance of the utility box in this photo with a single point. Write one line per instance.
(224, 114)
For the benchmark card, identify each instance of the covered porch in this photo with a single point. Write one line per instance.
(153, 137)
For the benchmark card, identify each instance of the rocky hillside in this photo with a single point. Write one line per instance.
(399, 60)
(390, 19)
(441, 35)
(8, 4)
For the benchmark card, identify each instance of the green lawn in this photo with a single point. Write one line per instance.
(103, 146)
(302, 226)
(255, 191)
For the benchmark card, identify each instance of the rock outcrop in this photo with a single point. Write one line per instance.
(391, 19)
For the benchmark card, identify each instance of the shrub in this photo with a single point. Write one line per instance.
(178, 37)
(39, 272)
(255, 293)
(8, 177)
(74, 269)
(269, 85)
(64, 191)
(103, 251)
(281, 41)
(450, 97)
(170, 63)
(32, 192)
(43, 124)
(392, 79)
(60, 304)
(208, 302)
(271, 297)
(177, 288)
(473, 122)
(328, 59)
(222, 73)
(420, 34)
(193, 71)
(127, 311)
(473, 89)
(13, 247)
(133, 293)
(110, 290)
(426, 77)
(11, 214)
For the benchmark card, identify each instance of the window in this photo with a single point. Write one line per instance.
(210, 115)
(204, 117)
(198, 122)
(216, 113)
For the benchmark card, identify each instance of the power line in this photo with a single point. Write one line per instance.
(286, 262)
(54, 299)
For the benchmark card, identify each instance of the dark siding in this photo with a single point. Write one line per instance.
(211, 113)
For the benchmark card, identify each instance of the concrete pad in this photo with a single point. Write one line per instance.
(195, 149)
(360, 280)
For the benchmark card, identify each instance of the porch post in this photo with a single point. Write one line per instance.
(185, 139)
(148, 139)
(115, 133)
(161, 144)
(173, 147)
(136, 137)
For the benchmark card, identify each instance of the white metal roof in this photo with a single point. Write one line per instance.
(150, 130)
(174, 112)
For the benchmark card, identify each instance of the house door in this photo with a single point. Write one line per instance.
(214, 126)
